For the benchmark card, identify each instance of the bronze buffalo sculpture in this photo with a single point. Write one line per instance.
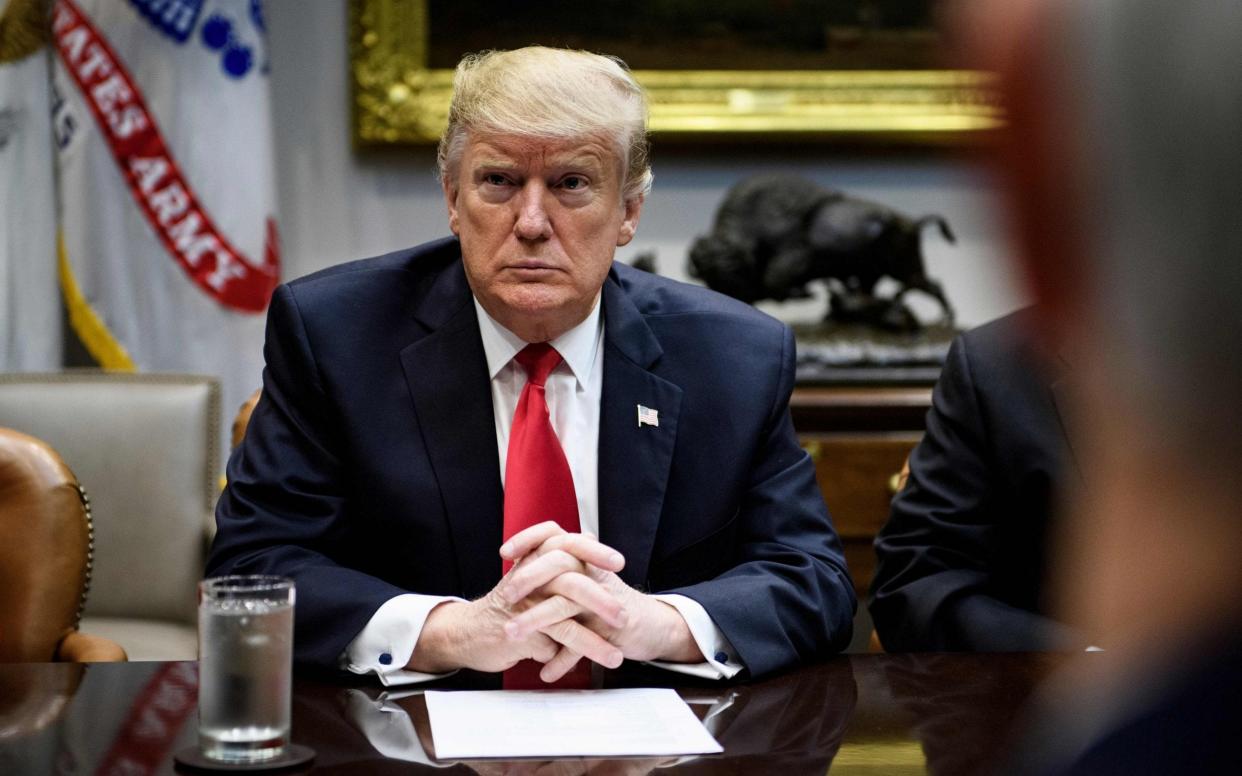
(775, 234)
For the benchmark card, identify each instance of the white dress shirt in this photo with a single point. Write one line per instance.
(573, 393)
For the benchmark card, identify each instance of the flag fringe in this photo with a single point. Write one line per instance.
(90, 328)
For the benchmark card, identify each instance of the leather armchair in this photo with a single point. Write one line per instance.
(242, 419)
(146, 448)
(46, 550)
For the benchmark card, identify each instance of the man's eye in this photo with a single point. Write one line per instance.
(495, 179)
(573, 182)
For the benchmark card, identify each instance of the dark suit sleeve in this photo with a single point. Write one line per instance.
(931, 588)
(283, 509)
(787, 599)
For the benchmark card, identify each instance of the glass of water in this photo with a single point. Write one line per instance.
(245, 654)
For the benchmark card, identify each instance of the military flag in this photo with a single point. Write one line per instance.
(169, 249)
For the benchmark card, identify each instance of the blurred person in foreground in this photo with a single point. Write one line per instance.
(501, 398)
(1125, 177)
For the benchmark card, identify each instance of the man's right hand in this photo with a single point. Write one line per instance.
(472, 635)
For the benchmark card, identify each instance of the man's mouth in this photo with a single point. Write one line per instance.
(532, 265)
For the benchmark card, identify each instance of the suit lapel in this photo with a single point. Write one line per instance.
(634, 459)
(1059, 391)
(1058, 371)
(446, 372)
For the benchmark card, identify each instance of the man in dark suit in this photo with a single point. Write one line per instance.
(387, 466)
(963, 556)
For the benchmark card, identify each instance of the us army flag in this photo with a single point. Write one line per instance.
(169, 252)
(30, 330)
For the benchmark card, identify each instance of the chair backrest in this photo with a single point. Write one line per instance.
(145, 447)
(45, 557)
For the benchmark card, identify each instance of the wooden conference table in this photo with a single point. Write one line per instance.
(855, 714)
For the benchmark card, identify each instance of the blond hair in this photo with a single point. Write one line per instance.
(549, 93)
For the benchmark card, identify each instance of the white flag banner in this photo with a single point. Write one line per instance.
(167, 199)
(30, 329)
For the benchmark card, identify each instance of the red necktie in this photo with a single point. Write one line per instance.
(538, 487)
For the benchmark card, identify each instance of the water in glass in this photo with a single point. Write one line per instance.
(244, 678)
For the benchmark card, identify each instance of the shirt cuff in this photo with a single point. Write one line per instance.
(722, 661)
(385, 645)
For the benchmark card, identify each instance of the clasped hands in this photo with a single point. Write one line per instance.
(562, 601)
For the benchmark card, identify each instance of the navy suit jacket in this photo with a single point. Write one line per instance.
(370, 469)
(963, 556)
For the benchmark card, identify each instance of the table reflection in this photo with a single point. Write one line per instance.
(864, 714)
(125, 718)
(793, 724)
(940, 714)
(30, 701)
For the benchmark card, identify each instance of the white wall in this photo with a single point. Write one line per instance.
(339, 204)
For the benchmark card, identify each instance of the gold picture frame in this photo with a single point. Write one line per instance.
(399, 99)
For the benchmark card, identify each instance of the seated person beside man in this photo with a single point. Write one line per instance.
(416, 432)
(963, 556)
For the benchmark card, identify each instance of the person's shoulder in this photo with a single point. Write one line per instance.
(1006, 365)
(1001, 334)
(402, 266)
(657, 297)
(1002, 349)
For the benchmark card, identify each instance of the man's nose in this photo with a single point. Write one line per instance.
(533, 222)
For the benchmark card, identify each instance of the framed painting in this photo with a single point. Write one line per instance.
(713, 70)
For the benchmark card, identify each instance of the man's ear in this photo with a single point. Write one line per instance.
(629, 225)
(450, 199)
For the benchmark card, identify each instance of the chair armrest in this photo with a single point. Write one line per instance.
(77, 647)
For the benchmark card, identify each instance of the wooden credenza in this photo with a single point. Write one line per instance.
(859, 437)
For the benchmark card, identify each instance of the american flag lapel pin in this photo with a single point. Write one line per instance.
(648, 417)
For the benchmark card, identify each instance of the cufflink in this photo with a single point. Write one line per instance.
(721, 657)
(385, 659)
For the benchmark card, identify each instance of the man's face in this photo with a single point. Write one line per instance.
(539, 221)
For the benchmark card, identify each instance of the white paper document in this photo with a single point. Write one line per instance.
(565, 723)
